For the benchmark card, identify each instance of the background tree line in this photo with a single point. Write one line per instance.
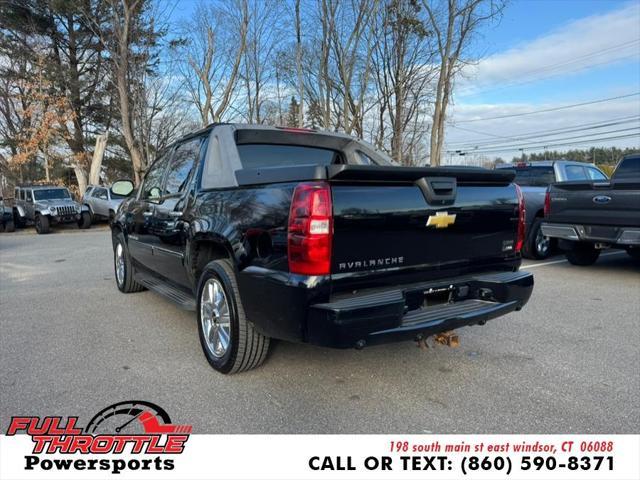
(79, 78)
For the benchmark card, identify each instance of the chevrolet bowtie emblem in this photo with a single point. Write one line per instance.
(441, 220)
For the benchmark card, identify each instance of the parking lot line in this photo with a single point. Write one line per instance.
(536, 265)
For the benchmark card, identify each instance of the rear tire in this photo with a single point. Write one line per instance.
(246, 348)
(123, 268)
(85, 220)
(42, 224)
(538, 247)
(17, 220)
(583, 254)
(633, 253)
(9, 226)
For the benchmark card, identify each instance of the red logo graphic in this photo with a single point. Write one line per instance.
(133, 426)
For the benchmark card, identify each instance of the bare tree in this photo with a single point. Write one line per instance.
(403, 69)
(258, 69)
(298, 25)
(454, 23)
(123, 19)
(210, 56)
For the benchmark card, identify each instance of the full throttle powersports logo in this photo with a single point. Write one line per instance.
(132, 427)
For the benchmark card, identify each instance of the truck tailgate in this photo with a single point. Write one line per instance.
(595, 203)
(431, 219)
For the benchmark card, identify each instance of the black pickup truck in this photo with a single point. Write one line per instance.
(589, 216)
(315, 237)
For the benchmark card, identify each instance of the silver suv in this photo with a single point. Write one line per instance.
(102, 202)
(47, 205)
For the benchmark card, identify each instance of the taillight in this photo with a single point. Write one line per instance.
(521, 216)
(310, 229)
(547, 203)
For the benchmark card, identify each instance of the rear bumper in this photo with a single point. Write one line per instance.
(623, 236)
(398, 314)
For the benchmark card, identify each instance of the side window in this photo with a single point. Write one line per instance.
(364, 158)
(184, 158)
(101, 193)
(16, 194)
(575, 172)
(595, 174)
(87, 192)
(152, 188)
(29, 197)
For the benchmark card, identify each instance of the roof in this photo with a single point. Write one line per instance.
(39, 186)
(542, 163)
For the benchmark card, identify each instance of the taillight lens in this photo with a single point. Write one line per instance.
(310, 229)
(521, 217)
(547, 203)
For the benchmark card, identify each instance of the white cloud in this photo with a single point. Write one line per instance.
(558, 53)
(582, 44)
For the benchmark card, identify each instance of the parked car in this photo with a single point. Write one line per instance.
(47, 205)
(315, 237)
(101, 202)
(589, 216)
(534, 178)
(6, 217)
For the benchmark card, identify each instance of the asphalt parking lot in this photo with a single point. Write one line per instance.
(72, 344)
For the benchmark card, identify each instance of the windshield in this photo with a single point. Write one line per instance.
(51, 194)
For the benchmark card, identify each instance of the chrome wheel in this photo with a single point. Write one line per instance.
(215, 318)
(542, 243)
(120, 266)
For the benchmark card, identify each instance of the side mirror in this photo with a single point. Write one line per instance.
(122, 188)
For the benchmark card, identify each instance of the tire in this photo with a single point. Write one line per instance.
(17, 220)
(246, 348)
(633, 252)
(112, 215)
(42, 224)
(583, 254)
(537, 247)
(9, 226)
(85, 220)
(124, 279)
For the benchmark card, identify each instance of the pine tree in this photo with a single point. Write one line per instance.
(293, 112)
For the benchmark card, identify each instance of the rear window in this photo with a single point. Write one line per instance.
(534, 176)
(575, 172)
(264, 155)
(628, 169)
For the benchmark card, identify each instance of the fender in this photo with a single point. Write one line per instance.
(196, 239)
(21, 211)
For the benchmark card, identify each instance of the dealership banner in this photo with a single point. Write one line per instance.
(57, 448)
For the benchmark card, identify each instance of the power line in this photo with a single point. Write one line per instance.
(555, 109)
(544, 133)
(545, 145)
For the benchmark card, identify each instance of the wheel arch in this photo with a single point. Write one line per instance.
(205, 249)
